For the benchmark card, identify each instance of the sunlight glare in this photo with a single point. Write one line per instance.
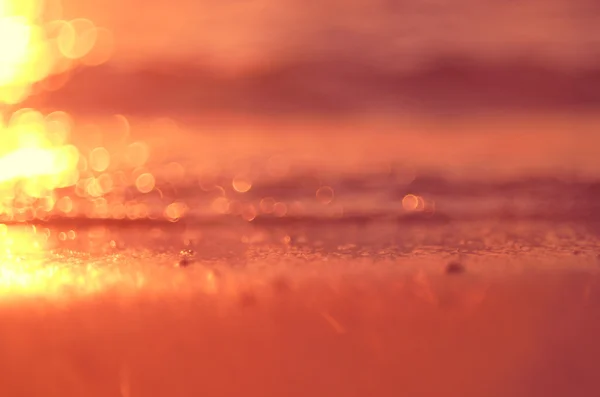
(35, 156)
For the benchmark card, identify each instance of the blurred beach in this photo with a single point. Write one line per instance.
(299, 198)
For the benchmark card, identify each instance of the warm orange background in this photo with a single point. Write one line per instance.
(235, 32)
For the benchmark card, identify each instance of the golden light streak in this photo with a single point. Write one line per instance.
(32, 49)
(36, 158)
(43, 175)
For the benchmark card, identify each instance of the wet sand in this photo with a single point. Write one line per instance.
(343, 312)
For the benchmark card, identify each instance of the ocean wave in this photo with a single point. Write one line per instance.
(330, 85)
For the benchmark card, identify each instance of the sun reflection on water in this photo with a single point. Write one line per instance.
(47, 175)
(33, 264)
(42, 173)
(22, 250)
(36, 158)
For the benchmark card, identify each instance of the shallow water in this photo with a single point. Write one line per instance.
(347, 201)
(311, 264)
